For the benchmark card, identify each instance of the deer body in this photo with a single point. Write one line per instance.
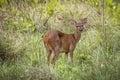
(57, 42)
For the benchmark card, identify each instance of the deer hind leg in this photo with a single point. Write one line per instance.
(49, 52)
(56, 52)
(55, 57)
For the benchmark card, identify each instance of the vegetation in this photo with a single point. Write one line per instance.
(24, 22)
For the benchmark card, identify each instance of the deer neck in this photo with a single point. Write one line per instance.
(77, 35)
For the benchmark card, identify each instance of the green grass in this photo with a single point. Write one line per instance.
(30, 61)
(96, 57)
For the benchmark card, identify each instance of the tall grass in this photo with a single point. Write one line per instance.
(96, 56)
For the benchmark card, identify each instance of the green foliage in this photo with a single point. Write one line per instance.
(113, 9)
(36, 1)
(51, 6)
(13, 72)
(3, 2)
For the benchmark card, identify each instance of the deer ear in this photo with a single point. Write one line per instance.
(84, 21)
(73, 22)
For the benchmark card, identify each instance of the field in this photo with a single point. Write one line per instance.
(22, 52)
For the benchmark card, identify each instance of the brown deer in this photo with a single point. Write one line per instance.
(57, 42)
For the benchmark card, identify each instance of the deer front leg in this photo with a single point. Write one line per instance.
(66, 56)
(71, 56)
(71, 52)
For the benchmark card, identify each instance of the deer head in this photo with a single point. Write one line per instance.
(79, 25)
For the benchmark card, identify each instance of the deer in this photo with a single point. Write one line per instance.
(57, 42)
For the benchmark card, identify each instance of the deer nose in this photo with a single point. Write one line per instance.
(81, 29)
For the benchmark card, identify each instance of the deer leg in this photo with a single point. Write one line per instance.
(55, 57)
(71, 52)
(71, 56)
(48, 55)
(66, 56)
